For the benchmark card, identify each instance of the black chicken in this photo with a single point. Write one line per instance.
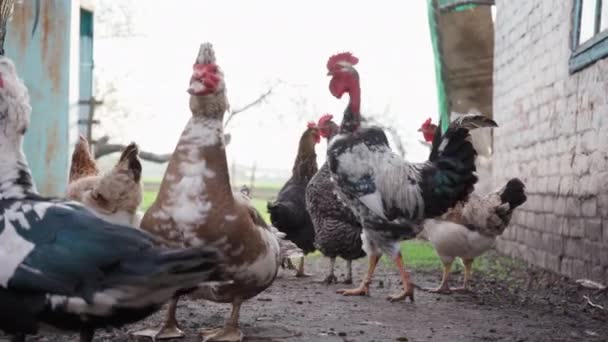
(288, 211)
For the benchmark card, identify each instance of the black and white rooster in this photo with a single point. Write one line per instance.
(390, 196)
(61, 265)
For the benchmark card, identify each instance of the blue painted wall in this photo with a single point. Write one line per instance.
(43, 61)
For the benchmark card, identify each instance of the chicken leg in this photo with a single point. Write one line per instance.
(170, 328)
(290, 265)
(86, 334)
(363, 289)
(331, 277)
(230, 332)
(349, 272)
(408, 289)
(18, 338)
(468, 268)
(300, 273)
(444, 287)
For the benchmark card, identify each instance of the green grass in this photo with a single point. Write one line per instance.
(149, 197)
(418, 254)
(260, 206)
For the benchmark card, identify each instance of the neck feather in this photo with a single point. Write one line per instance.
(352, 115)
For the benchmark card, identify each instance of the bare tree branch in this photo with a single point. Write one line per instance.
(103, 148)
(260, 99)
(390, 129)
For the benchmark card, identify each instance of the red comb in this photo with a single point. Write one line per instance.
(427, 122)
(311, 124)
(325, 118)
(341, 57)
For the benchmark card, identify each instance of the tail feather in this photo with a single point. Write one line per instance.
(83, 162)
(287, 248)
(130, 157)
(181, 268)
(512, 196)
(453, 177)
(514, 193)
(472, 121)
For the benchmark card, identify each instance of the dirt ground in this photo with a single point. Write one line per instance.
(508, 303)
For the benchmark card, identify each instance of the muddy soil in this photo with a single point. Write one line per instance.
(507, 303)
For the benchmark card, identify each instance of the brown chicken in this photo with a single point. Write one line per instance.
(83, 163)
(196, 207)
(114, 196)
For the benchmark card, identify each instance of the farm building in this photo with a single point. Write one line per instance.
(51, 45)
(548, 85)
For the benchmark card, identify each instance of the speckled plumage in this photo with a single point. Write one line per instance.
(337, 230)
(66, 268)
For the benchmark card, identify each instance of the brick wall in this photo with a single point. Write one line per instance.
(553, 134)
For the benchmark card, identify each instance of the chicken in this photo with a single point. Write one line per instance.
(390, 196)
(430, 132)
(116, 195)
(83, 163)
(62, 266)
(428, 129)
(470, 228)
(337, 230)
(196, 206)
(288, 211)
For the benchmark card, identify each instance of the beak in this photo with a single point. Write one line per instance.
(419, 129)
(329, 73)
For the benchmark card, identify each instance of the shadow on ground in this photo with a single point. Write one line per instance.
(510, 302)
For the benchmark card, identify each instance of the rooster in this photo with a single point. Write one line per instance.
(390, 196)
(83, 163)
(288, 211)
(428, 130)
(116, 195)
(63, 267)
(337, 229)
(470, 228)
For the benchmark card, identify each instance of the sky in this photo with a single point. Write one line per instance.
(257, 44)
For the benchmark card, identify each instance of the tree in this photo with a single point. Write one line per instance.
(115, 19)
(104, 147)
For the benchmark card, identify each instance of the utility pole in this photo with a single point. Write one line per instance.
(90, 121)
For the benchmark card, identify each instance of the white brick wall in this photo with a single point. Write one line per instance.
(553, 134)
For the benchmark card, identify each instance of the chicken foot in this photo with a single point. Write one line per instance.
(408, 288)
(300, 273)
(444, 287)
(230, 332)
(331, 277)
(363, 289)
(289, 263)
(468, 269)
(170, 328)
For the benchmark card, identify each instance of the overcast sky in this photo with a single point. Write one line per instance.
(260, 42)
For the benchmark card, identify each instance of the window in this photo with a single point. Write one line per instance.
(589, 40)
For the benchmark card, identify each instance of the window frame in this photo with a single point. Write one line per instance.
(592, 50)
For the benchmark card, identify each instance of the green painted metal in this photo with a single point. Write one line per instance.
(589, 52)
(441, 90)
(42, 58)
